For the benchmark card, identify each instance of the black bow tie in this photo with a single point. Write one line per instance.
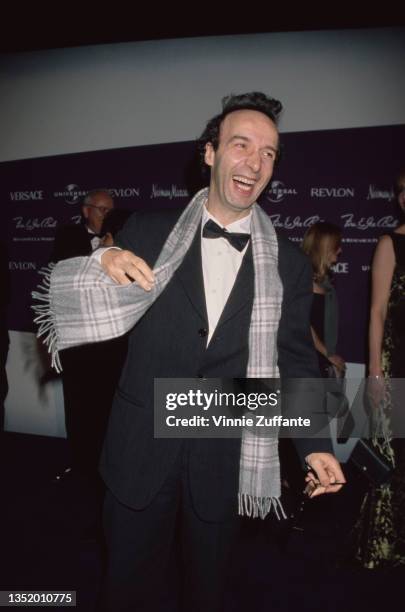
(94, 235)
(212, 230)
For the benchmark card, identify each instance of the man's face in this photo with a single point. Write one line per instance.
(242, 165)
(94, 213)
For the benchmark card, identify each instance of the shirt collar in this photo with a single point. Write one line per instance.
(241, 226)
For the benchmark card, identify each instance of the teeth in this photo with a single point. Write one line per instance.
(243, 179)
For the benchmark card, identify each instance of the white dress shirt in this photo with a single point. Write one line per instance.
(95, 240)
(220, 264)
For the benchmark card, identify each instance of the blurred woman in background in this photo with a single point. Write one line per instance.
(322, 243)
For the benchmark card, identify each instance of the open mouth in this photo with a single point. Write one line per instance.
(244, 183)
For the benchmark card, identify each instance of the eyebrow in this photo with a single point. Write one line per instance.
(246, 139)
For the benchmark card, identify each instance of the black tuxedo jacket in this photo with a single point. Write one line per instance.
(170, 342)
(71, 241)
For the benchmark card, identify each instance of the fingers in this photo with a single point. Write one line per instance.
(137, 269)
(321, 475)
(124, 267)
(338, 361)
(325, 475)
(310, 488)
(315, 489)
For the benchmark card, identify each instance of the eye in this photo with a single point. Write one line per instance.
(269, 154)
(240, 145)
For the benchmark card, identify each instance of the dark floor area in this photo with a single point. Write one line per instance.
(48, 542)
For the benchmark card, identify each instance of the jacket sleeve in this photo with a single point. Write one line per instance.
(145, 233)
(126, 238)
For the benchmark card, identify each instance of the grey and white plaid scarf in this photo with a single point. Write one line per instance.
(81, 304)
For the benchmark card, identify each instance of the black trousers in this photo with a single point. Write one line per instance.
(90, 376)
(144, 573)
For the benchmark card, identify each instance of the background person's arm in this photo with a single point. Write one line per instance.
(381, 273)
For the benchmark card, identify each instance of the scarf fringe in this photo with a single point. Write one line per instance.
(45, 318)
(260, 507)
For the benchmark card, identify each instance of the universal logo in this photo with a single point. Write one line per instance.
(278, 191)
(332, 192)
(72, 194)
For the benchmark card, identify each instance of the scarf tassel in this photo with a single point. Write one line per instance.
(45, 317)
(255, 507)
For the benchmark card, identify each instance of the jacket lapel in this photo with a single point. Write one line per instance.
(190, 275)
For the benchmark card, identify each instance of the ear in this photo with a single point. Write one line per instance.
(209, 156)
(85, 212)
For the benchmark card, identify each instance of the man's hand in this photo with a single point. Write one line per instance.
(124, 267)
(324, 472)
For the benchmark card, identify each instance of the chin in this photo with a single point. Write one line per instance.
(241, 201)
(244, 202)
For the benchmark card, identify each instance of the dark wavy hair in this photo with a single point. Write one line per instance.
(254, 100)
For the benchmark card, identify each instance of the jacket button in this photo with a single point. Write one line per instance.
(203, 332)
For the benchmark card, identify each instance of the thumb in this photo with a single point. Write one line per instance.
(321, 473)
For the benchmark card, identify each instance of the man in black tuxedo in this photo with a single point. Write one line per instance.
(90, 373)
(82, 238)
(197, 327)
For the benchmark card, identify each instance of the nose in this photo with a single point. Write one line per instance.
(254, 161)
